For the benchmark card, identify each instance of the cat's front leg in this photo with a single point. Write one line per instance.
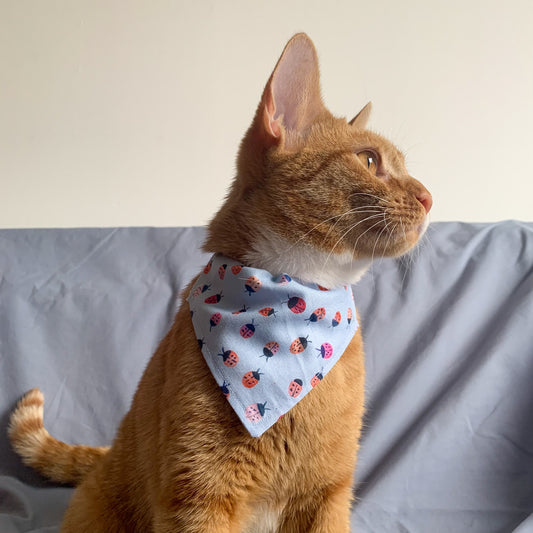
(327, 511)
(197, 519)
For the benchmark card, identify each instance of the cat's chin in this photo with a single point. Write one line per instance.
(421, 228)
(305, 263)
(408, 238)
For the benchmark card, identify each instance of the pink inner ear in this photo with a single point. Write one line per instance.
(296, 86)
(271, 124)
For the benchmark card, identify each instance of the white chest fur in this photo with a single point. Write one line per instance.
(265, 519)
(305, 263)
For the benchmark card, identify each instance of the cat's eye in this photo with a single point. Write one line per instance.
(369, 160)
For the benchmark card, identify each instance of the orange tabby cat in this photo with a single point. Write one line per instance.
(314, 196)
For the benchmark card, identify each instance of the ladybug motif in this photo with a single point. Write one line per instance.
(225, 389)
(200, 343)
(214, 299)
(267, 311)
(284, 279)
(295, 387)
(235, 269)
(271, 348)
(222, 271)
(252, 284)
(229, 357)
(322, 288)
(349, 315)
(242, 310)
(208, 267)
(336, 320)
(247, 330)
(326, 350)
(251, 379)
(200, 289)
(214, 320)
(299, 345)
(316, 379)
(316, 315)
(255, 412)
(296, 304)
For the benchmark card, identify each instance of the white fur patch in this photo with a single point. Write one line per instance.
(305, 263)
(264, 520)
(424, 226)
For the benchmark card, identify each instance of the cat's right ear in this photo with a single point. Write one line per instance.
(361, 119)
(291, 100)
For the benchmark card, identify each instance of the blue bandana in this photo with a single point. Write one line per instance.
(268, 340)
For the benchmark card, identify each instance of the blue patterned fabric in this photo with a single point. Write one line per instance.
(268, 340)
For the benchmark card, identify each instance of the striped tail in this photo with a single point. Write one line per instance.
(54, 459)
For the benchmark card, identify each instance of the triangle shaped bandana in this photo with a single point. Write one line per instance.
(268, 340)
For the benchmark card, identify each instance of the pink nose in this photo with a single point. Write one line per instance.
(425, 199)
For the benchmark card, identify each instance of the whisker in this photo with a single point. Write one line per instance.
(351, 228)
(408, 258)
(377, 240)
(387, 243)
(348, 231)
(355, 245)
(366, 231)
(349, 212)
(378, 237)
(359, 209)
(426, 239)
(373, 196)
(357, 240)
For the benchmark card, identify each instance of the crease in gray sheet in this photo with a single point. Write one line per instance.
(448, 443)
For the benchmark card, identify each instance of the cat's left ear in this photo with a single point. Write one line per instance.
(361, 119)
(292, 101)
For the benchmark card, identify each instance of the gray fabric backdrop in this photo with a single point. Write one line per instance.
(448, 444)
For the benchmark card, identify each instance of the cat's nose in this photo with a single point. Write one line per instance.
(425, 198)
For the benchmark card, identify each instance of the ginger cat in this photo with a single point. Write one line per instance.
(316, 197)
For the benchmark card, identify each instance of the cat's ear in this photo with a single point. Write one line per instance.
(361, 119)
(291, 100)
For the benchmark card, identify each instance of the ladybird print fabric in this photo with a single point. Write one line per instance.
(268, 340)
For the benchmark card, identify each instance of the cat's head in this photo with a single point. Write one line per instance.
(315, 196)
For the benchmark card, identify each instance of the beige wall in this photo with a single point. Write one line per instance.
(130, 112)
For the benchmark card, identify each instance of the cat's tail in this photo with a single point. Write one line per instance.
(54, 459)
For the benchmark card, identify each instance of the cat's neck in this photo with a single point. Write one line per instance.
(305, 263)
(230, 234)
